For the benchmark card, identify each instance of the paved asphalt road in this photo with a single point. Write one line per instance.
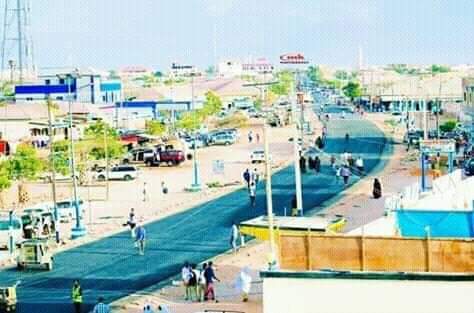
(111, 267)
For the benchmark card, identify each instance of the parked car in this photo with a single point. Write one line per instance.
(469, 167)
(67, 211)
(138, 155)
(119, 172)
(223, 139)
(189, 142)
(258, 156)
(47, 177)
(17, 230)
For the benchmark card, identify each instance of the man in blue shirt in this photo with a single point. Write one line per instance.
(140, 236)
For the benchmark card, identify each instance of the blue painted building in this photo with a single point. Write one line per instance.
(90, 87)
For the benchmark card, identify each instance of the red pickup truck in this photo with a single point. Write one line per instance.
(169, 157)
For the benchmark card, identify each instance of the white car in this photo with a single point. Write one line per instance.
(119, 172)
(67, 211)
(258, 156)
(17, 230)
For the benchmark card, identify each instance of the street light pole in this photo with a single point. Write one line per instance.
(268, 189)
(196, 184)
(53, 170)
(296, 155)
(78, 230)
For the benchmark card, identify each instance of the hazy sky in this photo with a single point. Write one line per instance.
(115, 33)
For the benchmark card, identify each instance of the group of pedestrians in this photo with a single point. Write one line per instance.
(251, 178)
(199, 283)
(250, 136)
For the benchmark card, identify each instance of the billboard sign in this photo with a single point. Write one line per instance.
(293, 58)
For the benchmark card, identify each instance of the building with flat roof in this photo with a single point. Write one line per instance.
(89, 87)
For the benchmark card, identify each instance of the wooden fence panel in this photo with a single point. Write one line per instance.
(452, 256)
(392, 254)
(395, 255)
(293, 252)
(336, 252)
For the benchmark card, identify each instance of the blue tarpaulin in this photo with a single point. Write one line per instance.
(452, 224)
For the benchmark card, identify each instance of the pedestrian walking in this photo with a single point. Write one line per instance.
(252, 194)
(345, 173)
(350, 160)
(131, 222)
(377, 189)
(332, 160)
(193, 281)
(186, 276)
(246, 177)
(311, 163)
(359, 164)
(201, 285)
(244, 283)
(303, 164)
(234, 237)
(164, 189)
(145, 192)
(101, 307)
(210, 279)
(140, 237)
(338, 172)
(255, 176)
(257, 137)
(147, 308)
(294, 206)
(250, 136)
(76, 296)
(319, 143)
(162, 308)
(317, 164)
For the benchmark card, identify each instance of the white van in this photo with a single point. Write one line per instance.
(17, 230)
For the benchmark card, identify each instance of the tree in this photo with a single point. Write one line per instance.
(314, 73)
(5, 182)
(212, 105)
(436, 69)
(285, 82)
(61, 157)
(448, 126)
(155, 128)
(341, 75)
(191, 121)
(24, 165)
(94, 142)
(352, 90)
(258, 104)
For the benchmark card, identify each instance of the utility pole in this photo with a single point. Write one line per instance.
(268, 189)
(106, 152)
(196, 184)
(296, 155)
(53, 170)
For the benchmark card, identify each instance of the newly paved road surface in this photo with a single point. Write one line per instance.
(111, 267)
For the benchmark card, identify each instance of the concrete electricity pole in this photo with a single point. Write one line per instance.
(268, 189)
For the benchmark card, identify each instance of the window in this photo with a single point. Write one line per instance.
(47, 82)
(61, 81)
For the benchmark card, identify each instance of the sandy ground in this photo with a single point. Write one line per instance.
(106, 217)
(353, 201)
